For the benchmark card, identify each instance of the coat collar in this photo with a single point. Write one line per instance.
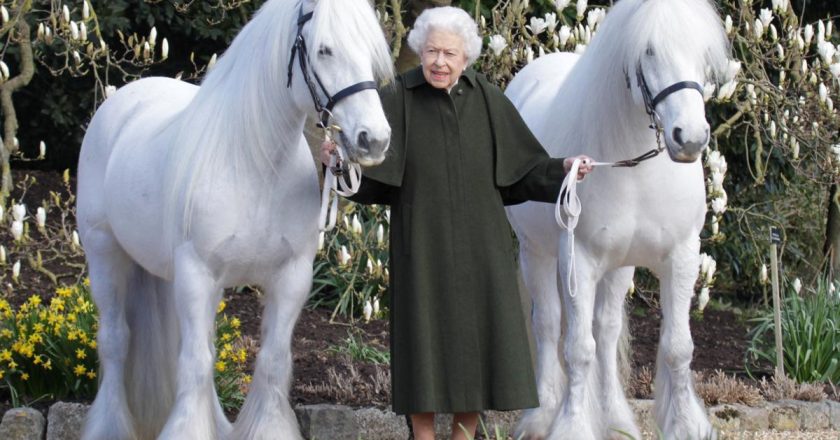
(414, 77)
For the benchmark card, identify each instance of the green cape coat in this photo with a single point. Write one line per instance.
(459, 341)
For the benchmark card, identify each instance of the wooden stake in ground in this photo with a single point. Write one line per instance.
(775, 239)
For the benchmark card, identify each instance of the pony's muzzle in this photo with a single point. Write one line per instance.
(688, 148)
(369, 149)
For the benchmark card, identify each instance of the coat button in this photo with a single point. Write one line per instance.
(460, 91)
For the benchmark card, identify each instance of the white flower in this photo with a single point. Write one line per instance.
(580, 49)
(529, 54)
(727, 24)
(826, 51)
(320, 241)
(715, 226)
(16, 270)
(2, 254)
(74, 239)
(76, 57)
(763, 274)
(593, 17)
(212, 61)
(147, 50)
(823, 91)
(716, 162)
(705, 262)
(561, 4)
(42, 150)
(551, 21)
(727, 90)
(19, 212)
(774, 34)
(375, 306)
(797, 285)
(65, 14)
(632, 289)
(733, 67)
(809, 34)
(356, 225)
(759, 29)
(537, 25)
(831, 288)
(388, 215)
(795, 149)
(41, 217)
(772, 129)
(800, 43)
(368, 310)
(343, 256)
(710, 274)
(703, 299)
(708, 91)
(581, 8)
(766, 16)
(380, 234)
(780, 5)
(4, 70)
(717, 181)
(85, 10)
(835, 69)
(153, 36)
(369, 266)
(719, 205)
(820, 32)
(4, 13)
(110, 90)
(497, 44)
(164, 49)
(564, 34)
(74, 30)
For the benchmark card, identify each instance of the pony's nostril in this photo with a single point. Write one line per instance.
(678, 135)
(363, 142)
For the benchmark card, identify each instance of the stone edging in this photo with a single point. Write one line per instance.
(335, 422)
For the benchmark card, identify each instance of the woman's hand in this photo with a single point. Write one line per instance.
(584, 168)
(327, 151)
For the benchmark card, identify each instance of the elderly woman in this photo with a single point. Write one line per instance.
(459, 153)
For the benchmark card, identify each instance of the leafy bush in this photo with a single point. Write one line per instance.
(351, 270)
(810, 335)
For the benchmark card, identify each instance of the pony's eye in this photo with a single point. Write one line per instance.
(324, 51)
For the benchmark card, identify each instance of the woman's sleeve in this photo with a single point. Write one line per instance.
(372, 192)
(541, 184)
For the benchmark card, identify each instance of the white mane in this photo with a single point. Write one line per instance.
(596, 88)
(243, 117)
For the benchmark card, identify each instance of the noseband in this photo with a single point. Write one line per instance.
(650, 108)
(323, 109)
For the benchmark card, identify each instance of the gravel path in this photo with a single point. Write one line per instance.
(772, 435)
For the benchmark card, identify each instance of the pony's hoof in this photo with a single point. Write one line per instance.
(572, 428)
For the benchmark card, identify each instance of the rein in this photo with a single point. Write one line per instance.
(339, 164)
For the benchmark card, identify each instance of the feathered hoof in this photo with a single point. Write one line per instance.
(192, 421)
(108, 421)
(703, 430)
(266, 429)
(534, 424)
(572, 428)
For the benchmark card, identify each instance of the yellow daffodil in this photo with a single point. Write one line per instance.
(24, 376)
(79, 370)
(221, 307)
(220, 366)
(91, 375)
(235, 323)
(80, 354)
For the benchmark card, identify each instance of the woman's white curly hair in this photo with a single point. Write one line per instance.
(447, 19)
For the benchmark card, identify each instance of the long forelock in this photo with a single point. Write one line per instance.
(334, 21)
(674, 28)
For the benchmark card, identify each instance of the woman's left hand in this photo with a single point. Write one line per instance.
(584, 168)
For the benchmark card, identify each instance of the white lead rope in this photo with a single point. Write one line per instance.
(332, 184)
(568, 206)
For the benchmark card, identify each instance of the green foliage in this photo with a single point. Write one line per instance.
(810, 335)
(351, 268)
(358, 350)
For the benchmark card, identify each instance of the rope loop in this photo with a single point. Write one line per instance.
(566, 212)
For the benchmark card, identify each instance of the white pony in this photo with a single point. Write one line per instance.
(649, 216)
(183, 191)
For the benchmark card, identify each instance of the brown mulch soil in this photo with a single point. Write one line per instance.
(323, 375)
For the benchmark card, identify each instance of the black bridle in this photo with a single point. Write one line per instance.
(324, 109)
(650, 108)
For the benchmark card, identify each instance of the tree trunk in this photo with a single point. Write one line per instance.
(10, 123)
(832, 232)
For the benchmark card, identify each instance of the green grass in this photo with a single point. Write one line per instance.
(358, 350)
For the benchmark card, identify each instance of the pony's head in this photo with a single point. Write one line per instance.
(346, 55)
(674, 47)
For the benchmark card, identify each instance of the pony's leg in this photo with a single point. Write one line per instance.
(539, 273)
(609, 322)
(578, 416)
(109, 268)
(267, 413)
(679, 413)
(195, 413)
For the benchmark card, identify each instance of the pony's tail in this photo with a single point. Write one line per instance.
(152, 354)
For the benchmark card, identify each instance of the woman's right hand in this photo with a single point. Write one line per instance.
(327, 151)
